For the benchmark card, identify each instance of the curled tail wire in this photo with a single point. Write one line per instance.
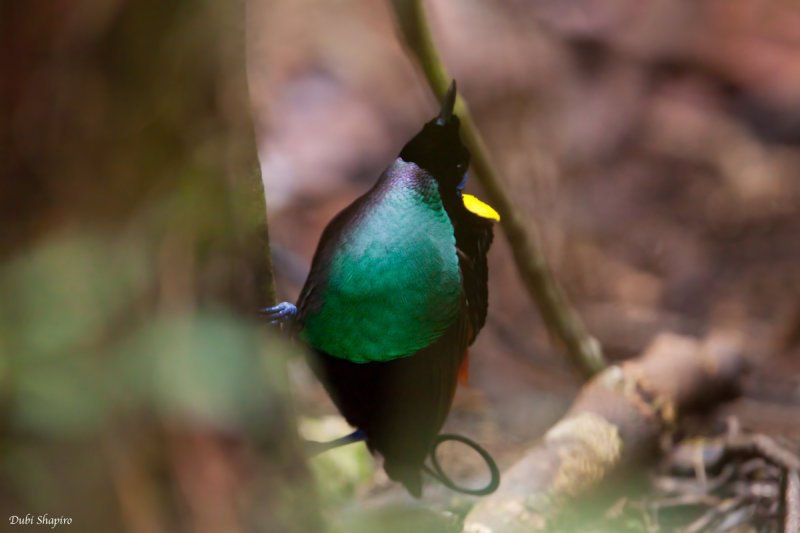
(436, 471)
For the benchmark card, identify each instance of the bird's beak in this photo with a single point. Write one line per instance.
(479, 208)
(448, 104)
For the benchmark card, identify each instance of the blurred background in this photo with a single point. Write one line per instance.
(652, 147)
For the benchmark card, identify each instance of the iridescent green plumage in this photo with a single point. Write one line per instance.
(393, 285)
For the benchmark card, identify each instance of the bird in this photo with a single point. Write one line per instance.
(396, 293)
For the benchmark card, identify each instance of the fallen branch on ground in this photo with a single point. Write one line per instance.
(616, 419)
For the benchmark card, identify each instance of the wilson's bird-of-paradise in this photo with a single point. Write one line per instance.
(396, 293)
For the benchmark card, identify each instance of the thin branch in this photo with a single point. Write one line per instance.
(561, 319)
(791, 502)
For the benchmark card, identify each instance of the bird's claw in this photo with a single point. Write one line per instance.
(283, 312)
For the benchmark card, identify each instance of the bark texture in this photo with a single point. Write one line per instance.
(615, 420)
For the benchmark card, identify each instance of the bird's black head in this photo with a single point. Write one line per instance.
(438, 149)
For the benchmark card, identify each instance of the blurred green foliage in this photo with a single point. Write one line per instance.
(58, 300)
(75, 346)
(93, 363)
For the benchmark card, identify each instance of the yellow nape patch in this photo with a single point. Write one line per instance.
(479, 208)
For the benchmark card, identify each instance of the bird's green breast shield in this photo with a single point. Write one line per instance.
(393, 285)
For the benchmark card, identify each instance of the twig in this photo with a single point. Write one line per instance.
(712, 514)
(759, 463)
(791, 502)
(766, 447)
(561, 319)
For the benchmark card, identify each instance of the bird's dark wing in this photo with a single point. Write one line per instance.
(474, 236)
(401, 404)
